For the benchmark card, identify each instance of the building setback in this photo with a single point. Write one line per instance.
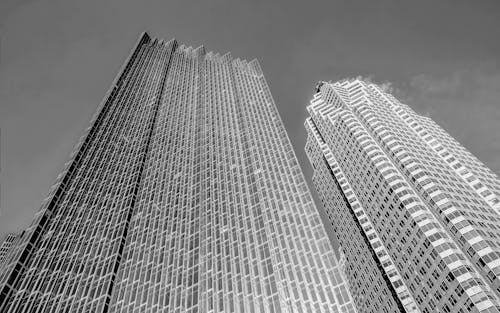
(416, 214)
(183, 195)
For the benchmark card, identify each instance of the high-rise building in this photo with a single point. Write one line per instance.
(183, 195)
(416, 214)
(6, 247)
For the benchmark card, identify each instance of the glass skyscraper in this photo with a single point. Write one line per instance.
(183, 195)
(6, 246)
(417, 216)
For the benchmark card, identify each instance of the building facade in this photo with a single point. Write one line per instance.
(183, 195)
(6, 247)
(416, 214)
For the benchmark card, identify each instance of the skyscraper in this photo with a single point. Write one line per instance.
(6, 247)
(415, 213)
(183, 195)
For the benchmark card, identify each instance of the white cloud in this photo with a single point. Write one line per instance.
(467, 104)
(386, 85)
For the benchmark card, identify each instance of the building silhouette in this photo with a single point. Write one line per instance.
(183, 195)
(415, 213)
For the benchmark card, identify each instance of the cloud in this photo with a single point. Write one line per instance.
(432, 86)
(464, 83)
(386, 85)
(466, 103)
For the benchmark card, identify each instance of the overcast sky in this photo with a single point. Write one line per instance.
(58, 58)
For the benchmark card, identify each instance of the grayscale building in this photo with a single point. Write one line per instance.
(183, 195)
(417, 216)
(6, 247)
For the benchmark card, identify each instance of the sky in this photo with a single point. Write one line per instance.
(58, 58)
